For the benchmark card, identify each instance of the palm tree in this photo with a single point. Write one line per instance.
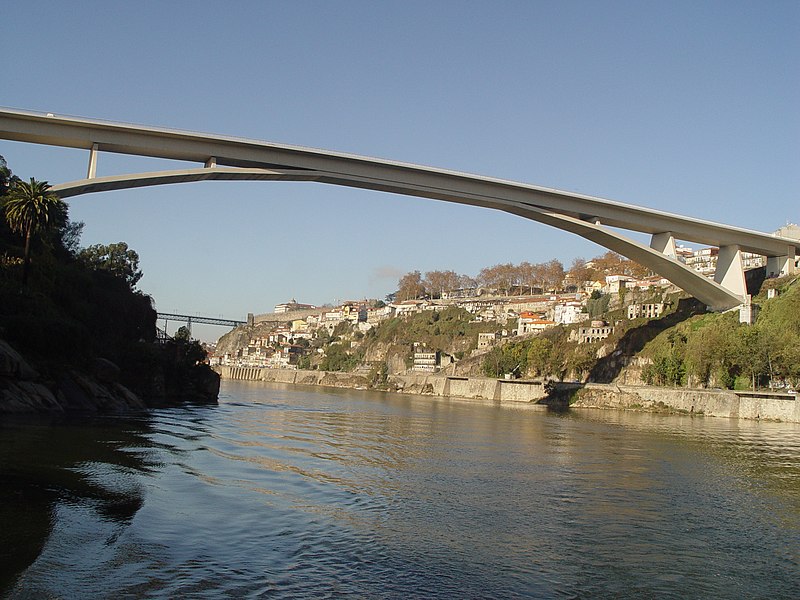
(31, 208)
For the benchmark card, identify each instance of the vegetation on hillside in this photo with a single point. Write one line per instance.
(549, 354)
(63, 307)
(451, 331)
(716, 350)
(685, 347)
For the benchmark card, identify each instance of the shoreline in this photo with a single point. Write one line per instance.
(518, 393)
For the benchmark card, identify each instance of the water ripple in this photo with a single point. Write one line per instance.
(290, 493)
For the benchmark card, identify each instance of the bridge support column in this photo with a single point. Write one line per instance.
(781, 265)
(92, 172)
(730, 272)
(664, 243)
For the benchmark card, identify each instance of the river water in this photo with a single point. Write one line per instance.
(291, 492)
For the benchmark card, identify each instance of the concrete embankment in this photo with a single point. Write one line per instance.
(715, 403)
(435, 385)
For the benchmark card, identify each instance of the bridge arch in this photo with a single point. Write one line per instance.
(711, 293)
(228, 158)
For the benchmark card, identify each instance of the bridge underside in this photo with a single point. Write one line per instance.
(713, 294)
(228, 158)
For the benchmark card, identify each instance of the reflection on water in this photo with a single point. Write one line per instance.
(294, 492)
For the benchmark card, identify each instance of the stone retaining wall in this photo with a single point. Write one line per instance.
(436, 385)
(716, 403)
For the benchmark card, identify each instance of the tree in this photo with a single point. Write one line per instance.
(580, 272)
(581, 360)
(183, 334)
(667, 366)
(527, 275)
(337, 359)
(539, 355)
(709, 354)
(499, 277)
(117, 259)
(410, 286)
(6, 178)
(466, 282)
(29, 209)
(597, 306)
(554, 274)
(751, 353)
(510, 358)
(438, 282)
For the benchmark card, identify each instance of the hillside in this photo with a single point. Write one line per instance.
(684, 346)
(75, 334)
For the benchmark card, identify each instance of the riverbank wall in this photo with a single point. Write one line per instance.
(477, 388)
(714, 403)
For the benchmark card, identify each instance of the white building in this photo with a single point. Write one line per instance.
(569, 313)
(532, 323)
(425, 361)
(291, 305)
(615, 282)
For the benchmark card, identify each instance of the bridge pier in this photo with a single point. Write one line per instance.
(664, 243)
(91, 173)
(778, 266)
(730, 270)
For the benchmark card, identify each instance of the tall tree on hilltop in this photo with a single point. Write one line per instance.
(580, 272)
(410, 286)
(527, 275)
(29, 209)
(554, 274)
(438, 282)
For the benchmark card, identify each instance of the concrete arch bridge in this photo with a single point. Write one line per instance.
(230, 158)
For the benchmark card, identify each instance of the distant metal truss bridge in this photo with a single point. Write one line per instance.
(191, 319)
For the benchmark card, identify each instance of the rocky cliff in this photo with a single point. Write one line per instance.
(23, 389)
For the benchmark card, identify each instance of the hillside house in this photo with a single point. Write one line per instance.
(598, 330)
(485, 340)
(425, 361)
(532, 323)
(646, 311)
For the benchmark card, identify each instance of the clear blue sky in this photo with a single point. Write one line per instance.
(690, 107)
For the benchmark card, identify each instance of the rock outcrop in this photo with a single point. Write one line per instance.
(23, 390)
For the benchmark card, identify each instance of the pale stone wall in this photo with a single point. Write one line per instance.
(279, 375)
(292, 376)
(472, 388)
(411, 383)
(715, 403)
(528, 391)
(239, 373)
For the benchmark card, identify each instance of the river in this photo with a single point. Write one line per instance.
(293, 492)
